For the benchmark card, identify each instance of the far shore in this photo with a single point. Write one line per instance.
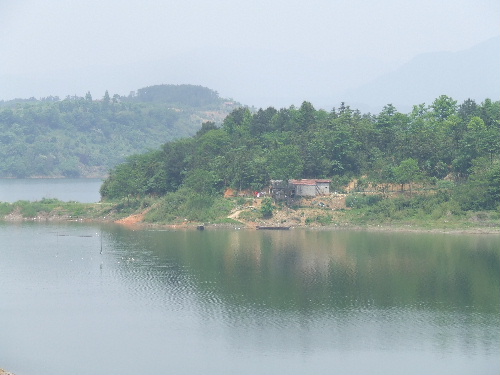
(136, 222)
(331, 215)
(61, 177)
(370, 228)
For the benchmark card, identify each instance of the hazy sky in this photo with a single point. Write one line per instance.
(37, 36)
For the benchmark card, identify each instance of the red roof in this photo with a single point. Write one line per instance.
(310, 181)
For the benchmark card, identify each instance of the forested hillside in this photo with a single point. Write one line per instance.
(444, 144)
(85, 136)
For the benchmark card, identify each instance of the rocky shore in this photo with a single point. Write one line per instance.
(325, 213)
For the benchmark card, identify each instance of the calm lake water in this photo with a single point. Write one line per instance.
(85, 190)
(246, 302)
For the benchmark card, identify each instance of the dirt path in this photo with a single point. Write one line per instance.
(132, 220)
(235, 215)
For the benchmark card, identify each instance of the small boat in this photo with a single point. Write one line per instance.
(200, 227)
(272, 228)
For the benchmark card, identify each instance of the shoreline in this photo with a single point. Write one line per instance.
(141, 225)
(387, 229)
(300, 218)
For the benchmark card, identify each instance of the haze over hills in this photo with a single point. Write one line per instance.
(259, 78)
(472, 73)
(263, 78)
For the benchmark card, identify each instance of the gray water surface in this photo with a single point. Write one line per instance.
(246, 302)
(84, 190)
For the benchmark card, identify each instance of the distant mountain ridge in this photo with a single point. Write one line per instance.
(265, 78)
(85, 137)
(472, 73)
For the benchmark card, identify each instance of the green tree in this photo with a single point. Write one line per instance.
(140, 175)
(468, 109)
(176, 162)
(237, 123)
(202, 181)
(206, 127)
(407, 172)
(262, 121)
(443, 107)
(208, 146)
(106, 99)
(488, 179)
(427, 140)
(285, 162)
(482, 190)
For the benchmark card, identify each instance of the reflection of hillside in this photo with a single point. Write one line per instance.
(303, 270)
(313, 252)
(300, 291)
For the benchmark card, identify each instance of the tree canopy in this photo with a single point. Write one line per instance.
(432, 142)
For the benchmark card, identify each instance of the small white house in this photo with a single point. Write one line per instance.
(310, 187)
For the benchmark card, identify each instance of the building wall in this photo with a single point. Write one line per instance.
(312, 190)
(305, 190)
(324, 187)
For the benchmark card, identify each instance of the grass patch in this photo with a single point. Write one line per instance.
(362, 200)
(426, 211)
(191, 206)
(320, 219)
(250, 215)
(6, 208)
(53, 208)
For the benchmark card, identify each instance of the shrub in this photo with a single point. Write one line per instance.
(250, 215)
(53, 201)
(190, 205)
(362, 200)
(29, 210)
(339, 183)
(6, 208)
(240, 201)
(320, 219)
(267, 208)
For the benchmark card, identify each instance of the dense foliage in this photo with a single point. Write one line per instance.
(80, 136)
(443, 140)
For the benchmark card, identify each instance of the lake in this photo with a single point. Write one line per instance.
(85, 190)
(78, 298)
